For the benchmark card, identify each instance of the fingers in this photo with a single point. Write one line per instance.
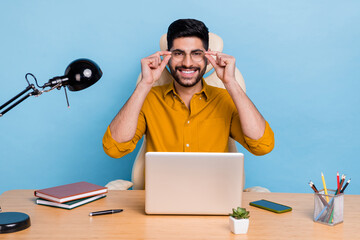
(154, 61)
(162, 53)
(212, 60)
(165, 61)
(221, 59)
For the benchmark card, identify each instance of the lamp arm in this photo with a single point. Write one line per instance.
(80, 74)
(35, 92)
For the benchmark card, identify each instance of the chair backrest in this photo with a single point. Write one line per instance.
(215, 44)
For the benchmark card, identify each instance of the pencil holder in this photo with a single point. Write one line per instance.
(329, 208)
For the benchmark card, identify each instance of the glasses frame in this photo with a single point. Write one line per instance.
(177, 59)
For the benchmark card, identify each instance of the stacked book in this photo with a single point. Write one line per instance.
(70, 196)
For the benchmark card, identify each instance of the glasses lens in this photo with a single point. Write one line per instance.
(197, 56)
(177, 55)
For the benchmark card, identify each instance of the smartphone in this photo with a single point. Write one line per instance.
(271, 206)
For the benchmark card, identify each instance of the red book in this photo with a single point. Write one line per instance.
(70, 192)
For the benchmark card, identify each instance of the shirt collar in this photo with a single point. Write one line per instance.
(205, 89)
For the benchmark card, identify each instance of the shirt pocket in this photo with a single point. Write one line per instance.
(213, 135)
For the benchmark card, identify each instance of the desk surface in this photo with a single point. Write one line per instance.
(133, 223)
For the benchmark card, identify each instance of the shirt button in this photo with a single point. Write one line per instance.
(200, 98)
(187, 145)
(188, 122)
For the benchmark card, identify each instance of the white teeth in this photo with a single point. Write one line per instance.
(188, 72)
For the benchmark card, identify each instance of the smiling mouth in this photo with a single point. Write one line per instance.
(186, 72)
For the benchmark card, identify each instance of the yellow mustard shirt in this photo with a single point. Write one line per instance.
(171, 127)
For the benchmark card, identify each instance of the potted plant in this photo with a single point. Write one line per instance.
(239, 220)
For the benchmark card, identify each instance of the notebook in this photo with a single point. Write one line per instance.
(70, 205)
(69, 192)
(193, 183)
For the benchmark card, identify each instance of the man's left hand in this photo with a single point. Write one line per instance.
(224, 65)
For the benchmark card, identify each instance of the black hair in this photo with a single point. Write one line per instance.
(188, 28)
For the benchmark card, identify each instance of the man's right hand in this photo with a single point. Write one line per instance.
(123, 126)
(153, 66)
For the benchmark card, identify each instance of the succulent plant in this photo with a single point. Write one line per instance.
(239, 213)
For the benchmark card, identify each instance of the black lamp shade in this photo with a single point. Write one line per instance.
(82, 73)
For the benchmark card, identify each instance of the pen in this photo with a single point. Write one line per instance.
(338, 181)
(105, 212)
(347, 183)
(325, 189)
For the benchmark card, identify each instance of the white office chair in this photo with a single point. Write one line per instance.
(215, 44)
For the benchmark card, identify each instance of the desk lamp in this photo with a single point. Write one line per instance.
(80, 74)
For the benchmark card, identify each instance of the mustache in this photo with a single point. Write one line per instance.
(187, 68)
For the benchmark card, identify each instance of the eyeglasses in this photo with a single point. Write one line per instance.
(196, 55)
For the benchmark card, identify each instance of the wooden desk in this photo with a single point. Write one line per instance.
(55, 223)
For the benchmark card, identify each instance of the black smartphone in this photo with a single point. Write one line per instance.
(271, 206)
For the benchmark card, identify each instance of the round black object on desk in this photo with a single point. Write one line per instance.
(13, 222)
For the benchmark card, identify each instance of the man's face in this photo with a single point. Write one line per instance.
(188, 62)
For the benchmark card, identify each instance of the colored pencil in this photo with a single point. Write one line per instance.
(325, 189)
(347, 183)
(312, 185)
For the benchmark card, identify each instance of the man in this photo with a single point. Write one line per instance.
(188, 115)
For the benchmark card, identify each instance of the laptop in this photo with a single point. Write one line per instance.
(193, 183)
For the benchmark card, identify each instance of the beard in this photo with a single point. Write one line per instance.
(187, 81)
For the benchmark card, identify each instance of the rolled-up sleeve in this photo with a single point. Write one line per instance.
(263, 145)
(258, 147)
(117, 150)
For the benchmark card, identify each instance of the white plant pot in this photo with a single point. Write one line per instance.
(238, 226)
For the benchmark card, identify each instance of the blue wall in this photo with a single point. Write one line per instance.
(300, 60)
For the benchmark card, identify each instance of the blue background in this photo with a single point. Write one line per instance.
(300, 61)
